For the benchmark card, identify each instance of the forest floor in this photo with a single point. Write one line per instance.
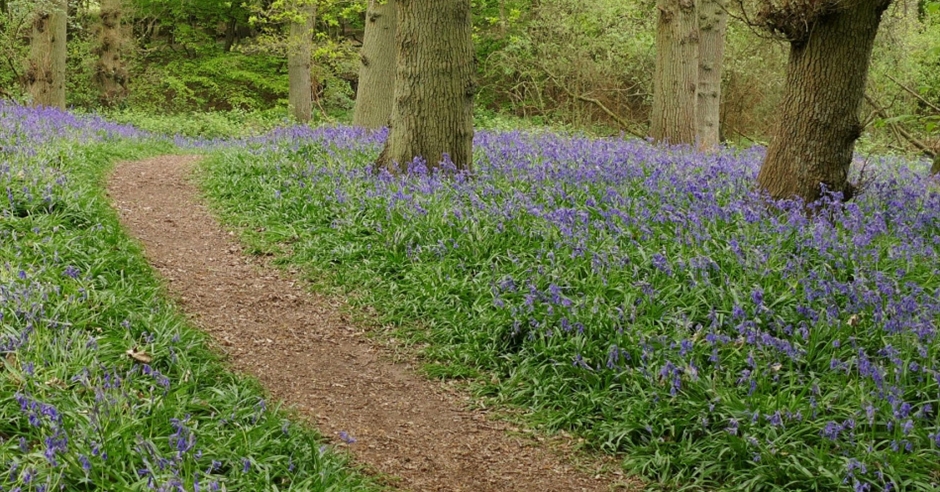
(410, 432)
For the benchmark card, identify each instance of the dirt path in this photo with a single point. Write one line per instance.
(307, 355)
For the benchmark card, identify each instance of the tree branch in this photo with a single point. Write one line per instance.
(914, 93)
(923, 147)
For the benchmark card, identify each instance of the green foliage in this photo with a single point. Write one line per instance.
(753, 75)
(552, 55)
(926, 55)
(192, 26)
(904, 83)
(204, 124)
(220, 81)
(15, 26)
(80, 89)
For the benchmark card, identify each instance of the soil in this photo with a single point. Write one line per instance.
(410, 432)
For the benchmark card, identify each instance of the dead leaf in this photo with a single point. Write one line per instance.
(139, 355)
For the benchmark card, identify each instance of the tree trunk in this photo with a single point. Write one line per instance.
(675, 78)
(376, 91)
(818, 118)
(45, 74)
(935, 168)
(433, 110)
(299, 50)
(712, 24)
(110, 73)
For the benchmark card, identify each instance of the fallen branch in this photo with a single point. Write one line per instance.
(581, 97)
(623, 124)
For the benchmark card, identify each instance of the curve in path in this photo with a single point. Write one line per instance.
(307, 355)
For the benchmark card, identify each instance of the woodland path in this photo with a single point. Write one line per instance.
(415, 434)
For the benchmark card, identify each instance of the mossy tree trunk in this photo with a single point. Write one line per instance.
(45, 73)
(299, 51)
(433, 110)
(110, 72)
(712, 24)
(675, 79)
(376, 91)
(818, 123)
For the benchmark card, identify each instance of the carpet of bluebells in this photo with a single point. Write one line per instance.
(644, 297)
(76, 412)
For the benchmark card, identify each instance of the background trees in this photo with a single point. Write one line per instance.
(690, 39)
(45, 71)
(712, 24)
(302, 15)
(675, 80)
(376, 87)
(110, 72)
(585, 64)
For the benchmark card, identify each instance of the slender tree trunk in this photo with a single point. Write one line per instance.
(110, 73)
(675, 78)
(433, 110)
(818, 118)
(230, 34)
(712, 24)
(45, 74)
(376, 91)
(299, 50)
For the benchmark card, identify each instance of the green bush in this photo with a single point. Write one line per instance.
(221, 81)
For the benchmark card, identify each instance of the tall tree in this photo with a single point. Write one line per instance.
(45, 73)
(376, 91)
(712, 24)
(110, 72)
(675, 79)
(433, 110)
(299, 51)
(830, 50)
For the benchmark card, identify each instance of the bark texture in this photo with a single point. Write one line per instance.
(433, 109)
(110, 72)
(299, 50)
(818, 117)
(376, 92)
(675, 80)
(45, 73)
(712, 24)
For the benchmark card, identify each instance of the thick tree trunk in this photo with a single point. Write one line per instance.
(818, 118)
(110, 73)
(433, 110)
(299, 50)
(712, 24)
(675, 78)
(45, 74)
(376, 91)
